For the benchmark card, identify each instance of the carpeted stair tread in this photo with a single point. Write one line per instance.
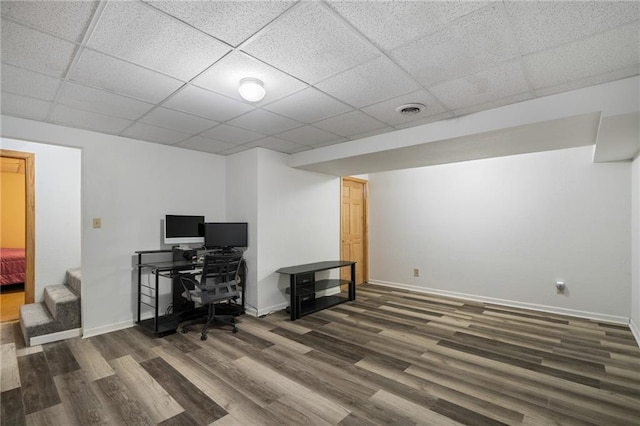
(60, 311)
(74, 279)
(62, 303)
(36, 320)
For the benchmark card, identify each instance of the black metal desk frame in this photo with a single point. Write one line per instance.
(162, 325)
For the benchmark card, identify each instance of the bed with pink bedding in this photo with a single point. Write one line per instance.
(11, 266)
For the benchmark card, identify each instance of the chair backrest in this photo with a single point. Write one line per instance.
(220, 277)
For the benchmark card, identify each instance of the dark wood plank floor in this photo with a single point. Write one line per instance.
(391, 357)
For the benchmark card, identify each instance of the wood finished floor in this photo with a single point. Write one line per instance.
(11, 298)
(391, 357)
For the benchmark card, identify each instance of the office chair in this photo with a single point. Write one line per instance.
(218, 283)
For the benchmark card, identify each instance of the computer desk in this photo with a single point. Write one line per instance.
(162, 325)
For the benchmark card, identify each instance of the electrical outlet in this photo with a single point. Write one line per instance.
(416, 272)
(97, 223)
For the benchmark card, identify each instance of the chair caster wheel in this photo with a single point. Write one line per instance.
(235, 330)
(203, 337)
(184, 330)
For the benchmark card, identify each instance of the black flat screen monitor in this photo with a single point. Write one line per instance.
(225, 235)
(181, 229)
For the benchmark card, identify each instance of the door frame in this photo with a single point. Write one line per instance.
(30, 223)
(365, 223)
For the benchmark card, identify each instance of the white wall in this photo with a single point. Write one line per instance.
(57, 213)
(635, 248)
(506, 229)
(299, 222)
(130, 185)
(242, 206)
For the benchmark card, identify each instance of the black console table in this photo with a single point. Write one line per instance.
(303, 287)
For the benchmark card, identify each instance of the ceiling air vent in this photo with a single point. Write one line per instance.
(410, 109)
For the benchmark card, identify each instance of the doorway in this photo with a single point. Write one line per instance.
(18, 171)
(353, 227)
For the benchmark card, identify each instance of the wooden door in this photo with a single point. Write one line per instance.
(353, 227)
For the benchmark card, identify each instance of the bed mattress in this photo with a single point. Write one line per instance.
(11, 266)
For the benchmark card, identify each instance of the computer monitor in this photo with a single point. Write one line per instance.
(182, 229)
(225, 235)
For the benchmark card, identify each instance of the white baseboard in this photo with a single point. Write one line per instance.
(54, 337)
(635, 330)
(90, 332)
(535, 307)
(271, 309)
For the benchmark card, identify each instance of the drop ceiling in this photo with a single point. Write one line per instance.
(335, 71)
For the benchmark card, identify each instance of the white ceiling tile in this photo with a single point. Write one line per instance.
(64, 115)
(22, 106)
(95, 100)
(276, 144)
(207, 104)
(323, 45)
(350, 124)
(141, 34)
(199, 143)
(494, 103)
(483, 87)
(118, 76)
(265, 122)
(27, 48)
(310, 136)
(386, 111)
(602, 53)
(231, 134)
(66, 19)
(230, 21)
(404, 21)
(477, 41)
(28, 83)
(147, 132)
(369, 83)
(308, 105)
(224, 77)
(176, 120)
(541, 25)
(590, 81)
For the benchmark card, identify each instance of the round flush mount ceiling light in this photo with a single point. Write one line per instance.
(251, 89)
(410, 109)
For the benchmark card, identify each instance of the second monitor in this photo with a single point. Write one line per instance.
(224, 235)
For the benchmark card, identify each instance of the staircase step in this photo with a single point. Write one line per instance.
(36, 320)
(63, 304)
(74, 278)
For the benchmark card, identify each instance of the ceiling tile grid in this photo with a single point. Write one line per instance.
(206, 104)
(112, 74)
(35, 50)
(100, 101)
(67, 116)
(25, 107)
(225, 76)
(231, 21)
(199, 143)
(65, 19)
(334, 71)
(310, 43)
(29, 83)
(140, 34)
